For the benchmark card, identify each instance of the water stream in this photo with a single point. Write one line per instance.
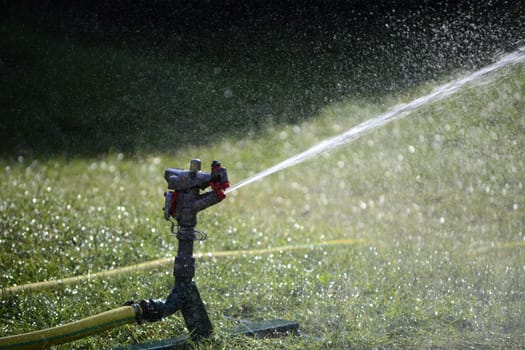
(397, 112)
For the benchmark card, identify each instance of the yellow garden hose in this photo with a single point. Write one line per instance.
(71, 331)
(165, 262)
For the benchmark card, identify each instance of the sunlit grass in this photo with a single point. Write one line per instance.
(436, 200)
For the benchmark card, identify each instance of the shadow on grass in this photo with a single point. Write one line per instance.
(92, 78)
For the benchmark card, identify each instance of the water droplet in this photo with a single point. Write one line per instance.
(228, 93)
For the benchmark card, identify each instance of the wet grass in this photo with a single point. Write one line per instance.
(429, 209)
(435, 201)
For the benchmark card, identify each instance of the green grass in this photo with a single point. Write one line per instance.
(436, 198)
(434, 203)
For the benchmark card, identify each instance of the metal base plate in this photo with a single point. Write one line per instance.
(259, 329)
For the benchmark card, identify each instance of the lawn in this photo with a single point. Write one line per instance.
(429, 208)
(410, 237)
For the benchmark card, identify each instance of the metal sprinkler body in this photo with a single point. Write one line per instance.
(183, 201)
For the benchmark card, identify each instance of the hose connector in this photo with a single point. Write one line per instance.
(138, 310)
(144, 311)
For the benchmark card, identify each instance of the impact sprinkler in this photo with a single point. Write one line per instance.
(183, 201)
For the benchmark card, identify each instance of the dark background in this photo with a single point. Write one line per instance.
(88, 77)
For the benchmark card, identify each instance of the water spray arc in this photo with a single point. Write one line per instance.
(395, 113)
